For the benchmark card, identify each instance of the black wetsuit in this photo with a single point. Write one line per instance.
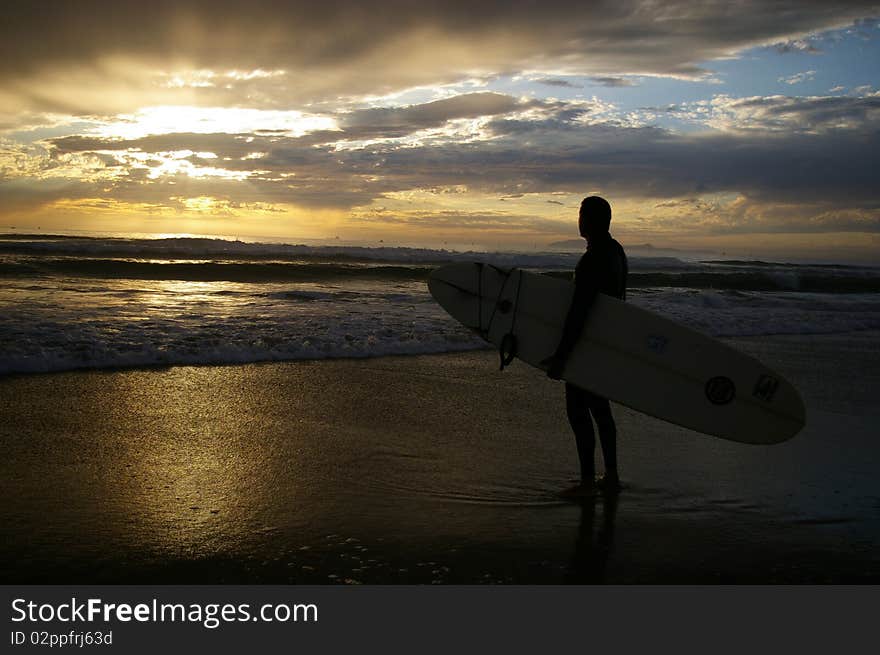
(602, 269)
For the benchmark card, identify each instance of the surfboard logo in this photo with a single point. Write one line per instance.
(765, 387)
(720, 390)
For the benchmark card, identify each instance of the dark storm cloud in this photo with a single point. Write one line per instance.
(350, 46)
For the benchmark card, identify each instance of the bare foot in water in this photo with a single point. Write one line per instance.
(608, 484)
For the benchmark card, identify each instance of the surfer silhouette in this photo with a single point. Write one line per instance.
(602, 269)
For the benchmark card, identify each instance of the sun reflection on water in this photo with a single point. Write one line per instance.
(194, 481)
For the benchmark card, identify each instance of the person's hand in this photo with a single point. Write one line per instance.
(554, 365)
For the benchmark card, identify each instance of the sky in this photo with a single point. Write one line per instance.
(745, 128)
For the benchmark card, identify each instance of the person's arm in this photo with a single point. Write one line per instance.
(584, 296)
(585, 290)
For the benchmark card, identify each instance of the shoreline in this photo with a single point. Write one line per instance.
(865, 333)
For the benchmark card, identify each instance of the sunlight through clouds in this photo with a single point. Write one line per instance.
(212, 120)
(349, 126)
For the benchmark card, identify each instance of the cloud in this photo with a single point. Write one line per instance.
(759, 153)
(379, 123)
(99, 58)
(650, 162)
(746, 215)
(816, 172)
(797, 45)
(21, 195)
(120, 105)
(612, 81)
(387, 122)
(783, 114)
(797, 78)
(222, 144)
(549, 81)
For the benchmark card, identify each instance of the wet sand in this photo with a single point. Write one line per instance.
(426, 469)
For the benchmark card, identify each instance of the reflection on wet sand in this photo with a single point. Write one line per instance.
(594, 543)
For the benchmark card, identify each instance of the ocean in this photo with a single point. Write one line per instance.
(78, 302)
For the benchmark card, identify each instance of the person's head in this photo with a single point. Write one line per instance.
(595, 216)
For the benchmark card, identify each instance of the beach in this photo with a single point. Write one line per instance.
(423, 469)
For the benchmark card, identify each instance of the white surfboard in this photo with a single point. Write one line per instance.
(627, 354)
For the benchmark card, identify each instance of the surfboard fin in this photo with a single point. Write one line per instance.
(507, 349)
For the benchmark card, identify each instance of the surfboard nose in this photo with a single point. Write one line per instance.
(454, 287)
(461, 273)
(469, 291)
(453, 282)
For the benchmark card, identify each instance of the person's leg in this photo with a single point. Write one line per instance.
(578, 410)
(600, 409)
